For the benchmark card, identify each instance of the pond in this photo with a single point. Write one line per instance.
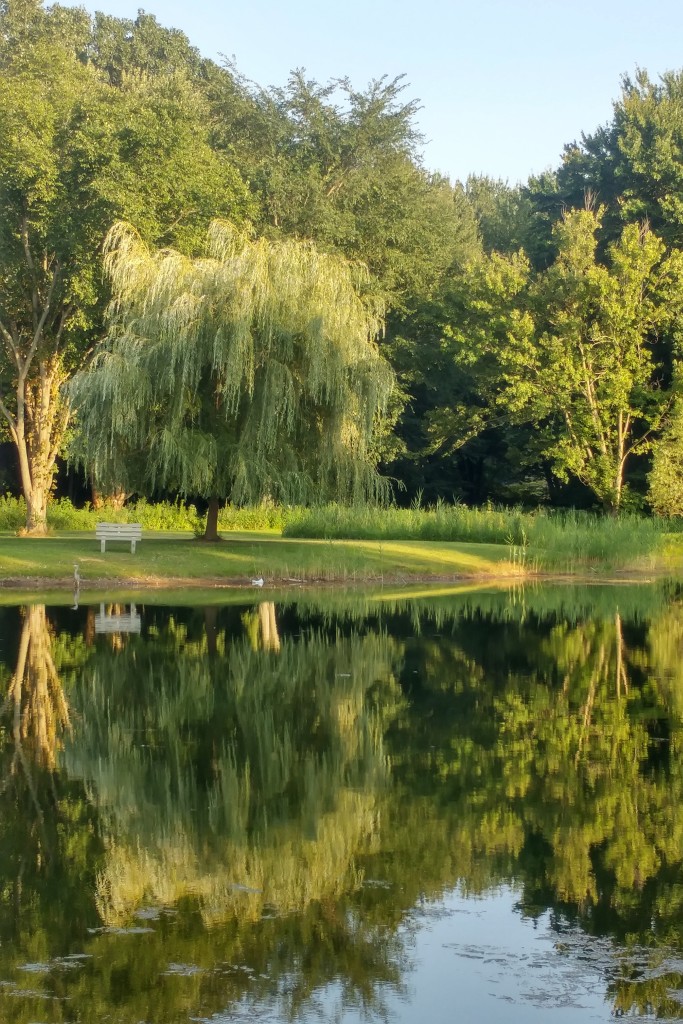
(452, 806)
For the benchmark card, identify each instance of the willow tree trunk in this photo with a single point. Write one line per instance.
(211, 529)
(114, 498)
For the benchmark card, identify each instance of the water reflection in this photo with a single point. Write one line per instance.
(35, 699)
(244, 780)
(257, 804)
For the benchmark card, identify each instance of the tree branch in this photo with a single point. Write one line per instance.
(9, 338)
(39, 328)
(35, 293)
(9, 417)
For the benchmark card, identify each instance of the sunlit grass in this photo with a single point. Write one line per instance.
(241, 557)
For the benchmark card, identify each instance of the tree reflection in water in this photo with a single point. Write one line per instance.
(250, 777)
(35, 698)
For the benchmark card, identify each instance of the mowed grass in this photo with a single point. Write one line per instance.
(241, 557)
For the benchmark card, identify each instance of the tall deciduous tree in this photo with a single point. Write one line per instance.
(77, 154)
(665, 479)
(634, 163)
(573, 350)
(504, 213)
(341, 166)
(594, 365)
(250, 372)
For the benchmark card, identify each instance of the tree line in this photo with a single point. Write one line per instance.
(223, 290)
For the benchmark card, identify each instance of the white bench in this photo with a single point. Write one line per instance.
(118, 531)
(125, 622)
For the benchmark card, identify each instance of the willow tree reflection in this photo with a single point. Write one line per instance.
(243, 779)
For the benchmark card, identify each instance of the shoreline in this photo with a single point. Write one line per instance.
(156, 583)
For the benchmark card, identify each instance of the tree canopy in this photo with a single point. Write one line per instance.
(249, 372)
(77, 154)
(109, 119)
(572, 350)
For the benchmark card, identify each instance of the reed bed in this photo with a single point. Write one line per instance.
(542, 539)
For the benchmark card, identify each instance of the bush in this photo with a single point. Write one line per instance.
(163, 516)
(12, 513)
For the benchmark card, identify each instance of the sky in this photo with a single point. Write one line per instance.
(503, 84)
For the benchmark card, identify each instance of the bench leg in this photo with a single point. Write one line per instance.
(132, 547)
(103, 543)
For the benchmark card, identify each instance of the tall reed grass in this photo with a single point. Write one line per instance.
(547, 539)
(442, 522)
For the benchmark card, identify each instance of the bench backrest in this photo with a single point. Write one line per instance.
(123, 531)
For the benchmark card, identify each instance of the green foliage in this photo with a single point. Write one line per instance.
(567, 540)
(591, 366)
(159, 516)
(666, 476)
(568, 351)
(504, 214)
(633, 164)
(78, 153)
(339, 166)
(250, 373)
(443, 522)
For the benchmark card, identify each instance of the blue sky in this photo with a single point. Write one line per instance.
(504, 84)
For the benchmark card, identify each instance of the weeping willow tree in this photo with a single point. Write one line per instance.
(251, 372)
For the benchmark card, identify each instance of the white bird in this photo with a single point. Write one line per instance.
(258, 582)
(77, 575)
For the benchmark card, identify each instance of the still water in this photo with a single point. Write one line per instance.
(460, 807)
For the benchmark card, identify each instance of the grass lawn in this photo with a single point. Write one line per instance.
(176, 560)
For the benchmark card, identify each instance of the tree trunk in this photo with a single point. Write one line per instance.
(211, 530)
(36, 511)
(270, 636)
(40, 416)
(41, 713)
(37, 431)
(211, 629)
(115, 498)
(612, 502)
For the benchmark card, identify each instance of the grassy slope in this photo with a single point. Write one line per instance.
(242, 556)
